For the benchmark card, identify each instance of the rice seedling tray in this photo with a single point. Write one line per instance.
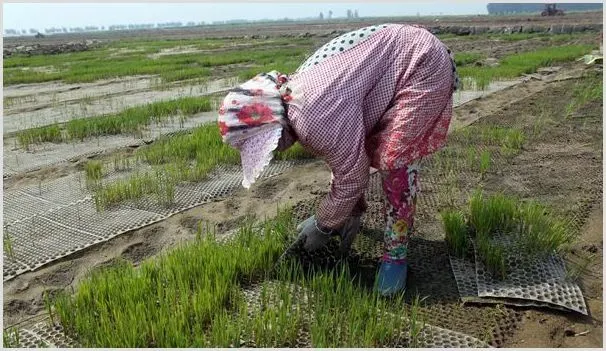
(429, 276)
(465, 275)
(531, 279)
(19, 206)
(37, 241)
(85, 218)
(63, 215)
(430, 337)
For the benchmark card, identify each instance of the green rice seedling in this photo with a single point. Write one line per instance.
(492, 255)
(484, 163)
(51, 133)
(203, 146)
(278, 319)
(347, 316)
(542, 233)
(49, 308)
(121, 163)
(417, 323)
(87, 68)
(93, 171)
(11, 338)
(471, 156)
(465, 58)
(448, 194)
(131, 120)
(456, 231)
(512, 66)
(588, 90)
(513, 142)
(7, 244)
(295, 152)
(496, 213)
(174, 299)
(169, 301)
(225, 331)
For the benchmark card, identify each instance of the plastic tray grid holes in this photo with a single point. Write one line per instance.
(465, 275)
(19, 205)
(62, 191)
(42, 334)
(542, 280)
(83, 216)
(436, 337)
(12, 267)
(37, 241)
(430, 336)
(20, 162)
(80, 231)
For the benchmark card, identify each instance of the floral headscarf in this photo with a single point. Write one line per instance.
(251, 119)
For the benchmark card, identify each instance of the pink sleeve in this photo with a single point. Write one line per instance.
(337, 134)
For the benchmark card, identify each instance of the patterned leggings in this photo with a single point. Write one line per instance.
(400, 187)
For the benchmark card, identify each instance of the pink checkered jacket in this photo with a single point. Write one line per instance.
(385, 103)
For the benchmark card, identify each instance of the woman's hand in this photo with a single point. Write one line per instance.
(314, 237)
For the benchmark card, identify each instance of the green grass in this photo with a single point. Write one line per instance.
(513, 66)
(587, 91)
(99, 64)
(456, 231)
(51, 133)
(94, 172)
(131, 120)
(7, 245)
(510, 140)
(554, 38)
(11, 338)
(484, 163)
(190, 297)
(466, 58)
(543, 232)
(182, 158)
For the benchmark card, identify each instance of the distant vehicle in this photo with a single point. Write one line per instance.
(550, 10)
(39, 35)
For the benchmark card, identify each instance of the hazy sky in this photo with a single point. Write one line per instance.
(46, 15)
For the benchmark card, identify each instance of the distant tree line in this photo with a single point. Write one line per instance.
(509, 8)
(58, 30)
(350, 14)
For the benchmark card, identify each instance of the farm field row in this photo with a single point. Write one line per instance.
(523, 140)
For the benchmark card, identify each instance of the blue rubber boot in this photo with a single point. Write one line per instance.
(392, 278)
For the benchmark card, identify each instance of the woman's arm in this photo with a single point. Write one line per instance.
(336, 132)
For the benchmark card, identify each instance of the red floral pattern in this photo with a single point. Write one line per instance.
(223, 128)
(255, 114)
(400, 188)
